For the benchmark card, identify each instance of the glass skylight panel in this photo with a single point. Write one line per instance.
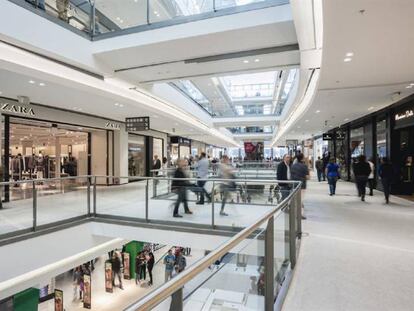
(254, 85)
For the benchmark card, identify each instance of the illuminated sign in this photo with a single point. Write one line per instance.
(17, 109)
(401, 116)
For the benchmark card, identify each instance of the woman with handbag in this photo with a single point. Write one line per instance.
(332, 172)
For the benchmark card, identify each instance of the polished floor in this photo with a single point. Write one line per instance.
(354, 255)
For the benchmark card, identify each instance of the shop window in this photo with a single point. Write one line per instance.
(136, 155)
(357, 142)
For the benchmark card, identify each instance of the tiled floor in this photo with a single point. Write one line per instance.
(354, 255)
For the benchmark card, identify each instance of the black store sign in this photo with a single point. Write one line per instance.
(327, 136)
(404, 118)
(137, 124)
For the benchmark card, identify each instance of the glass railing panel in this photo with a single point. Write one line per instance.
(59, 200)
(163, 10)
(281, 248)
(224, 4)
(123, 199)
(234, 282)
(76, 12)
(117, 15)
(16, 212)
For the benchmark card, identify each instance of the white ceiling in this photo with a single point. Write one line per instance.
(61, 96)
(381, 39)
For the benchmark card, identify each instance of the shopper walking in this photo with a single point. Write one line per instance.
(180, 187)
(325, 161)
(140, 267)
(386, 173)
(371, 181)
(150, 265)
(202, 171)
(180, 262)
(361, 173)
(319, 168)
(300, 172)
(283, 173)
(77, 279)
(332, 172)
(226, 172)
(116, 269)
(169, 262)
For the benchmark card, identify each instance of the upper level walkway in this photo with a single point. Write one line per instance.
(354, 255)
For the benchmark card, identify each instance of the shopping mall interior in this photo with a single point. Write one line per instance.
(206, 155)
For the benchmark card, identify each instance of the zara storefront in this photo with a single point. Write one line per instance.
(43, 142)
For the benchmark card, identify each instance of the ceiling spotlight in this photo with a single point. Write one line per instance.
(348, 59)
(31, 82)
(116, 104)
(370, 108)
(317, 111)
(409, 86)
(42, 84)
(349, 54)
(346, 119)
(246, 61)
(257, 60)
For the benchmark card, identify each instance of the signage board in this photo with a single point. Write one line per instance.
(137, 124)
(340, 135)
(58, 300)
(404, 118)
(87, 301)
(127, 271)
(327, 136)
(109, 288)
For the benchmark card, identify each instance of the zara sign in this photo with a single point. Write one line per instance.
(8, 107)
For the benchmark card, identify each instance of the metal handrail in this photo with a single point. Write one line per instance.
(30, 181)
(163, 292)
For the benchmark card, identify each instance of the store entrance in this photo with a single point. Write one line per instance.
(403, 161)
(43, 150)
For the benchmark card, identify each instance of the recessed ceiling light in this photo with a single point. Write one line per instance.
(257, 60)
(306, 120)
(409, 86)
(370, 108)
(346, 119)
(32, 82)
(349, 54)
(121, 105)
(116, 104)
(42, 84)
(155, 12)
(317, 111)
(246, 61)
(298, 127)
(412, 84)
(347, 59)
(1, 92)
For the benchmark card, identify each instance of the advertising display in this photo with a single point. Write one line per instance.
(127, 270)
(87, 291)
(108, 277)
(58, 300)
(254, 150)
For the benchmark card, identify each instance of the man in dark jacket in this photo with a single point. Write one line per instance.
(116, 268)
(180, 187)
(361, 173)
(386, 173)
(156, 165)
(283, 173)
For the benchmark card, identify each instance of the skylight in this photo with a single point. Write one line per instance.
(248, 86)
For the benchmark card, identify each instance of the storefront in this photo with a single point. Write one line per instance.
(141, 152)
(180, 148)
(197, 148)
(386, 133)
(41, 142)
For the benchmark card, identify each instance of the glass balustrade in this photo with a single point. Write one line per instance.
(97, 17)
